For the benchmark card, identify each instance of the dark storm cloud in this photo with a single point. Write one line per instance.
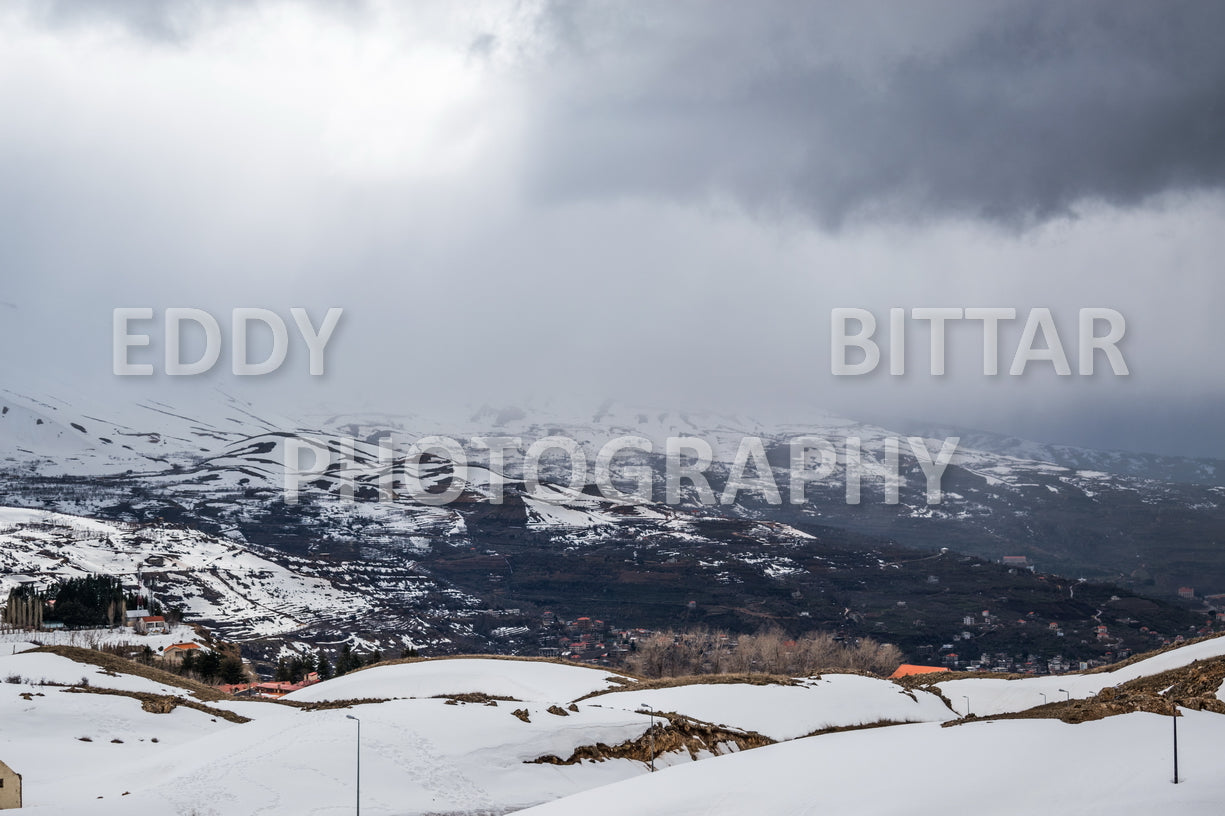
(1008, 111)
(279, 154)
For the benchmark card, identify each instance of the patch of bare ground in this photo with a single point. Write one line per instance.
(160, 703)
(928, 681)
(475, 697)
(679, 733)
(838, 729)
(329, 705)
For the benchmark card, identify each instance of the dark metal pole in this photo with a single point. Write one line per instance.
(359, 762)
(651, 733)
(1175, 745)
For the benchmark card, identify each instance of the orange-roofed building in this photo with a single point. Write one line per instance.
(175, 651)
(907, 669)
(182, 647)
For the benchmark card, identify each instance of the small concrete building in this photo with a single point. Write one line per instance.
(152, 625)
(10, 788)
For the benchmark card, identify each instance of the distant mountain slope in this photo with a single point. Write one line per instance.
(1151, 466)
(219, 468)
(215, 581)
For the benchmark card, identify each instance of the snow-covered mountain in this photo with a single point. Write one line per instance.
(361, 555)
(212, 580)
(221, 466)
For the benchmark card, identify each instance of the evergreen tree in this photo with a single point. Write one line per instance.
(188, 664)
(323, 667)
(91, 600)
(346, 661)
(232, 672)
(208, 666)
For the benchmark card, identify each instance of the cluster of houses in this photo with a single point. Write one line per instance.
(976, 624)
(1024, 664)
(586, 639)
(269, 690)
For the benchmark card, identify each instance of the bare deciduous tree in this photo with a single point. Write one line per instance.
(702, 651)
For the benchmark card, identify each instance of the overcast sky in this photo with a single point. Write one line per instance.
(562, 203)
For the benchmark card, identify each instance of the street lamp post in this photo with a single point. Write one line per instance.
(1176, 745)
(651, 735)
(359, 762)
(967, 699)
(1043, 698)
(1069, 698)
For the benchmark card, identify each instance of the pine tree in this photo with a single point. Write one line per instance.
(232, 672)
(323, 667)
(92, 600)
(208, 666)
(347, 661)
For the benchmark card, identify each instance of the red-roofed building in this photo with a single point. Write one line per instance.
(907, 669)
(152, 625)
(280, 689)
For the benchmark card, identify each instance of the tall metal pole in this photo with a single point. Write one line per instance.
(967, 699)
(359, 762)
(651, 736)
(1175, 745)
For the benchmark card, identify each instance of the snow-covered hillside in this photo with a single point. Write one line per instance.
(86, 753)
(520, 679)
(1122, 766)
(988, 696)
(214, 580)
(787, 712)
(87, 742)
